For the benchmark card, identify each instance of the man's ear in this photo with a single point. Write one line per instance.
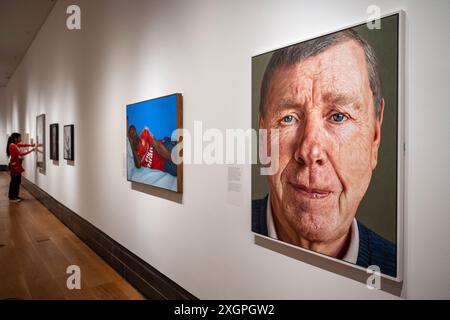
(377, 135)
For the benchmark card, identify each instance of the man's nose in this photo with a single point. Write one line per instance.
(311, 146)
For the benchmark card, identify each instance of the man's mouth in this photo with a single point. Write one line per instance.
(311, 193)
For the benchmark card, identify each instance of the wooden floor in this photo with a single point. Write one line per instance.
(36, 249)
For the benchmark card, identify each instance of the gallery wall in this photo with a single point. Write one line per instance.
(129, 51)
(3, 158)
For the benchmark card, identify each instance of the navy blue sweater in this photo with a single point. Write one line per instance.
(373, 249)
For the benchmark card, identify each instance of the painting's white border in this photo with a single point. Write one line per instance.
(401, 146)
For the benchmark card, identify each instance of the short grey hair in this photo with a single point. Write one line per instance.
(297, 53)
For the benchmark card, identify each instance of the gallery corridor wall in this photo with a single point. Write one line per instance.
(130, 51)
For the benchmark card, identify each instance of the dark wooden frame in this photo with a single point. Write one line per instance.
(180, 140)
(72, 142)
(54, 154)
(179, 107)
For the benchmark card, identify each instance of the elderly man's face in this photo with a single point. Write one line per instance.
(329, 138)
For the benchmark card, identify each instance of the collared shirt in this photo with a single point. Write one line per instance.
(352, 251)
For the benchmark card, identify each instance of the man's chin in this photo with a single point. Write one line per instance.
(315, 226)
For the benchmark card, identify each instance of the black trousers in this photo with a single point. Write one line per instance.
(14, 186)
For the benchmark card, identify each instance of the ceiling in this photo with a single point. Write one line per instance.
(20, 21)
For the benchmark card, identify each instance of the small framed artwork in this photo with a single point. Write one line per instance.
(330, 114)
(40, 142)
(54, 142)
(69, 145)
(151, 138)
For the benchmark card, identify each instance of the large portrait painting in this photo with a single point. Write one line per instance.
(329, 115)
(40, 142)
(151, 126)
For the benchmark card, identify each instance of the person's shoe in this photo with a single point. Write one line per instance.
(15, 200)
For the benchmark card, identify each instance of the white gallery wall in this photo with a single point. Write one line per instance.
(129, 51)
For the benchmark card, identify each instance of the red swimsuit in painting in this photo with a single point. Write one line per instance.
(148, 155)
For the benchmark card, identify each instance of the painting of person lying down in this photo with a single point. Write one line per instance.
(150, 125)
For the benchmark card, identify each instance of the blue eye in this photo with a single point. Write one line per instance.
(338, 117)
(288, 119)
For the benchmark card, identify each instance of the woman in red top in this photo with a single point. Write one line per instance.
(15, 164)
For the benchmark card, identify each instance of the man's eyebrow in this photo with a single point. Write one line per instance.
(286, 103)
(342, 99)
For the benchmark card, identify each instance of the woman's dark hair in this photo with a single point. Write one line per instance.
(12, 139)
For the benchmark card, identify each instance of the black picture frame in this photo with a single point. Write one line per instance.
(54, 142)
(69, 143)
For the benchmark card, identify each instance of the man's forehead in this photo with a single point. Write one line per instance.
(337, 71)
(347, 55)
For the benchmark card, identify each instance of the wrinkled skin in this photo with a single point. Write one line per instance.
(329, 139)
